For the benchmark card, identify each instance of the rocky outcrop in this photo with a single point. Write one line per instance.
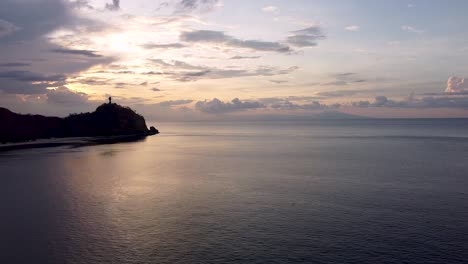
(107, 120)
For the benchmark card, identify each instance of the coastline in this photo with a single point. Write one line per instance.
(73, 142)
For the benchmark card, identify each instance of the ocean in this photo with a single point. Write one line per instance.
(323, 191)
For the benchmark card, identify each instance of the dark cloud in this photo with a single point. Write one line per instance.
(18, 87)
(6, 28)
(383, 101)
(412, 102)
(334, 83)
(307, 37)
(87, 53)
(189, 6)
(278, 81)
(81, 4)
(93, 81)
(184, 72)
(124, 72)
(156, 90)
(26, 82)
(176, 65)
(174, 103)
(217, 106)
(220, 38)
(244, 57)
(443, 102)
(343, 75)
(65, 96)
(215, 73)
(303, 98)
(114, 6)
(33, 21)
(197, 74)
(341, 93)
(152, 73)
(15, 64)
(120, 85)
(343, 78)
(35, 18)
(163, 46)
(315, 105)
(27, 76)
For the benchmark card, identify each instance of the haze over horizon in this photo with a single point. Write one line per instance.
(213, 59)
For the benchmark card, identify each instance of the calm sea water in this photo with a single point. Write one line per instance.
(356, 191)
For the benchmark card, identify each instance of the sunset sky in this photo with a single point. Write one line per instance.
(210, 59)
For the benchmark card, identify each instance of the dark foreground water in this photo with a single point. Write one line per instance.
(388, 191)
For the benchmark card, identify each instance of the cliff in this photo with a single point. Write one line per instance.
(107, 120)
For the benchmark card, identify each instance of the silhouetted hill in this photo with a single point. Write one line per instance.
(107, 120)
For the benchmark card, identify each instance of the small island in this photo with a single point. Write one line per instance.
(108, 123)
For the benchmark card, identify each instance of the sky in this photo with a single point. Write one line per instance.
(175, 60)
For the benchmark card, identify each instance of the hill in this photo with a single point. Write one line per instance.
(106, 120)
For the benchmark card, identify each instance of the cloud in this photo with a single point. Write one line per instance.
(315, 105)
(340, 93)
(15, 64)
(343, 75)
(92, 81)
(63, 95)
(87, 53)
(190, 6)
(36, 18)
(79, 4)
(174, 103)
(120, 85)
(334, 83)
(34, 21)
(205, 36)
(270, 9)
(456, 85)
(341, 79)
(6, 28)
(412, 102)
(307, 37)
(278, 81)
(176, 64)
(217, 106)
(28, 76)
(220, 38)
(114, 6)
(156, 90)
(412, 29)
(353, 28)
(186, 6)
(163, 46)
(184, 72)
(244, 57)
(26, 82)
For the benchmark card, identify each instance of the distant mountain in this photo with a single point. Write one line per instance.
(107, 120)
(326, 115)
(336, 115)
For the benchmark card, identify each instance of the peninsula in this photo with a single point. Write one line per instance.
(107, 121)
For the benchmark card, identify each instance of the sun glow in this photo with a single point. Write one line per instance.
(119, 43)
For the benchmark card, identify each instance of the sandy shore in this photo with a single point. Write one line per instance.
(72, 142)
